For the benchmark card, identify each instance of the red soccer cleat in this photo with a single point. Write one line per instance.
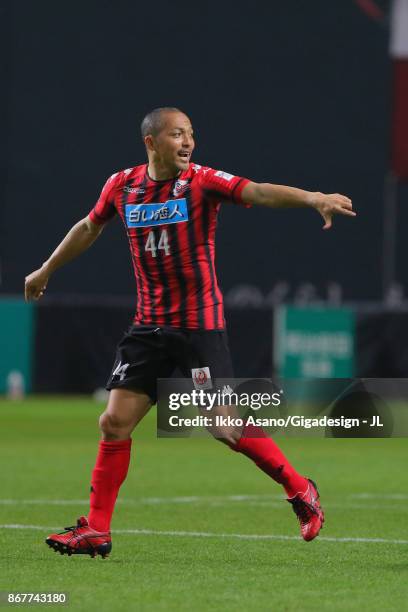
(307, 508)
(80, 540)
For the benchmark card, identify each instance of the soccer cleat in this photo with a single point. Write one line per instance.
(80, 540)
(307, 508)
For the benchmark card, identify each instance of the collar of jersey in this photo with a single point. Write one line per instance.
(162, 180)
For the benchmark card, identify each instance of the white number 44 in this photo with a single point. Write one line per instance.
(162, 244)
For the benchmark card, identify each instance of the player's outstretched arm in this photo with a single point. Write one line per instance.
(79, 238)
(280, 196)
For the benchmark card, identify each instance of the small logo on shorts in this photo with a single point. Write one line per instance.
(227, 390)
(201, 378)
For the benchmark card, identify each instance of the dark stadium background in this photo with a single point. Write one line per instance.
(293, 92)
(298, 95)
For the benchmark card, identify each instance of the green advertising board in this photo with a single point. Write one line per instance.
(16, 328)
(314, 342)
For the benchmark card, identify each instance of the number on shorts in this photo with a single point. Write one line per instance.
(120, 370)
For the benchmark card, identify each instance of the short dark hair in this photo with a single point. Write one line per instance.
(153, 122)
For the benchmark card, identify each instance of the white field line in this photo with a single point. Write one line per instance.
(342, 506)
(42, 502)
(205, 534)
(146, 500)
(394, 496)
(271, 501)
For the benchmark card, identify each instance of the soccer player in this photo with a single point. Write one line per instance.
(169, 210)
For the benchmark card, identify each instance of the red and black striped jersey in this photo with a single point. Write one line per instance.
(171, 227)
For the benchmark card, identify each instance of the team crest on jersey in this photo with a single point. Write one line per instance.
(179, 187)
(163, 213)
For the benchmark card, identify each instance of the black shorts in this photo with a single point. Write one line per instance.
(148, 352)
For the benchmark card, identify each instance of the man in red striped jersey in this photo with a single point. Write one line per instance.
(169, 209)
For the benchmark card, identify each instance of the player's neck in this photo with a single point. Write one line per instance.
(160, 172)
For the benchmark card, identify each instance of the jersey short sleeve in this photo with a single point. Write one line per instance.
(105, 209)
(223, 184)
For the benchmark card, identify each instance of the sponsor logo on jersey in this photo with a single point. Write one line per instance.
(133, 189)
(201, 378)
(163, 213)
(224, 175)
(179, 187)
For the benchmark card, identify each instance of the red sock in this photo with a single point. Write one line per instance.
(110, 471)
(256, 445)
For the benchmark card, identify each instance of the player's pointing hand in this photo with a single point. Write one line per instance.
(332, 204)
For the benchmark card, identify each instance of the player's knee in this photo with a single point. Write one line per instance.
(104, 423)
(110, 424)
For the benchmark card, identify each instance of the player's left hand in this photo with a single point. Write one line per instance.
(330, 204)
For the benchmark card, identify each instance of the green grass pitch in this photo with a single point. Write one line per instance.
(186, 505)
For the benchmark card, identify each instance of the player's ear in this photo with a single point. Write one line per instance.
(149, 142)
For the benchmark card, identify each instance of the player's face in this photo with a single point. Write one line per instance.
(174, 144)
